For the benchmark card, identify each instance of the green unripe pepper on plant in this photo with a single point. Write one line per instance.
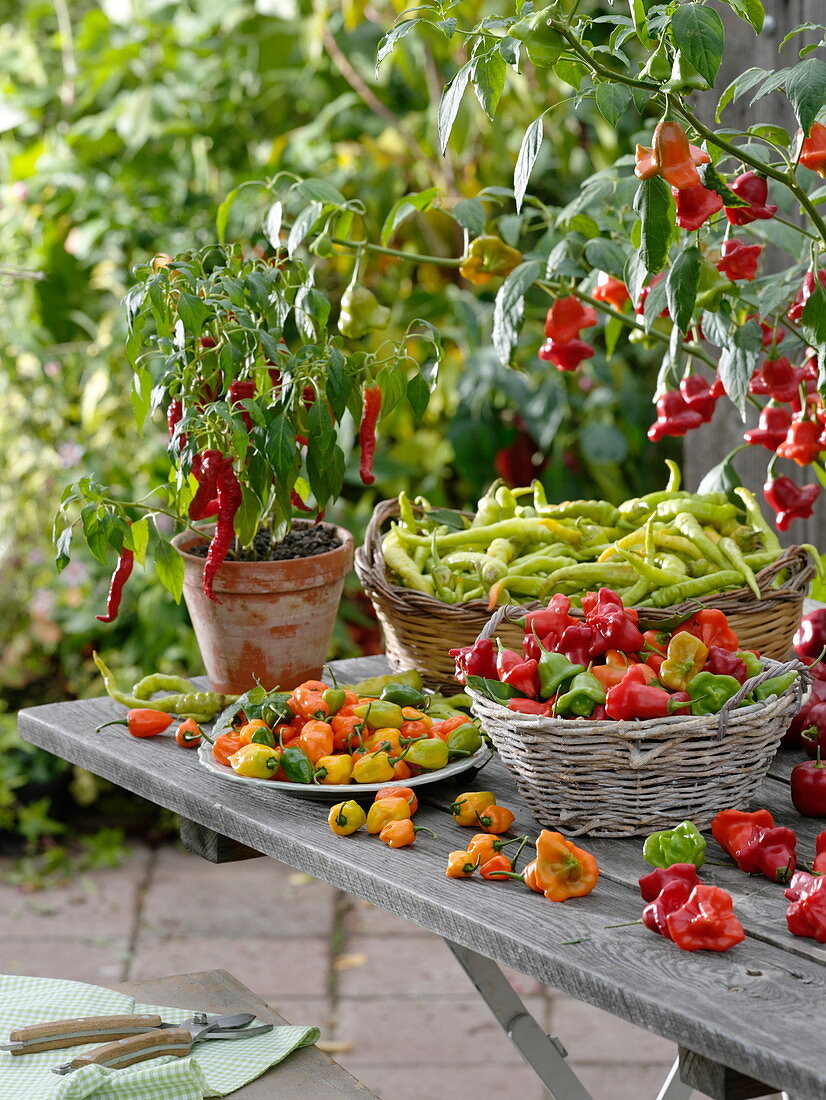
(361, 313)
(543, 42)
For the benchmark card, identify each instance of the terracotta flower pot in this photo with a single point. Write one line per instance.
(275, 619)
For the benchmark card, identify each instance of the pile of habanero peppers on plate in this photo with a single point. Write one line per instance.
(604, 667)
(656, 550)
(697, 916)
(381, 730)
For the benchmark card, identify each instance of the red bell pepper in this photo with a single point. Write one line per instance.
(706, 922)
(806, 916)
(789, 501)
(810, 637)
(808, 787)
(478, 659)
(755, 190)
(711, 626)
(652, 883)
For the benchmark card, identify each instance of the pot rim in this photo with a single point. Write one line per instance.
(346, 544)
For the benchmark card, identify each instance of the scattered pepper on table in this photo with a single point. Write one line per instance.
(682, 844)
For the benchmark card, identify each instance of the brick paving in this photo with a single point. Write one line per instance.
(401, 1014)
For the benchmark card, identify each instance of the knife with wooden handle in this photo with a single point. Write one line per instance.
(72, 1033)
(137, 1048)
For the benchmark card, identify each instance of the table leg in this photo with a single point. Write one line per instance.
(674, 1088)
(545, 1054)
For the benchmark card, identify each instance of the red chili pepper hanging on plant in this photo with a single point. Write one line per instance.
(611, 290)
(371, 411)
(674, 417)
(565, 356)
(699, 396)
(739, 261)
(772, 428)
(229, 501)
(802, 443)
(790, 501)
(123, 570)
(204, 503)
(174, 414)
(671, 156)
(242, 390)
(695, 205)
(777, 378)
(795, 311)
(566, 318)
(812, 150)
(755, 190)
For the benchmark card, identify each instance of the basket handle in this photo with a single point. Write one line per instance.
(749, 685)
(508, 611)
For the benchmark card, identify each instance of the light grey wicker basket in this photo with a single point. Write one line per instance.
(611, 778)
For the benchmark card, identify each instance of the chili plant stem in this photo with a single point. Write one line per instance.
(415, 257)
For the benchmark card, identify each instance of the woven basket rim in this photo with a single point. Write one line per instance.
(372, 573)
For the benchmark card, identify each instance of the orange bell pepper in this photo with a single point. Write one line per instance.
(461, 865)
(495, 819)
(316, 739)
(399, 792)
(467, 805)
(562, 870)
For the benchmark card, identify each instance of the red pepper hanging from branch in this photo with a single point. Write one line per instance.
(789, 501)
(754, 190)
(206, 467)
(671, 156)
(367, 432)
(695, 205)
(739, 261)
(229, 501)
(122, 573)
(812, 150)
(242, 390)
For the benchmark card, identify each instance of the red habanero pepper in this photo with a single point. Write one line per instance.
(674, 417)
(554, 617)
(532, 706)
(730, 827)
(739, 261)
(122, 573)
(819, 865)
(755, 844)
(670, 156)
(367, 432)
(669, 899)
(611, 290)
(807, 289)
(722, 662)
(522, 675)
(566, 318)
(789, 501)
(613, 625)
(205, 470)
(242, 390)
(772, 428)
(141, 722)
(711, 626)
(755, 191)
(806, 916)
(695, 205)
(229, 501)
(567, 355)
(706, 921)
(478, 659)
(576, 644)
(802, 443)
(656, 880)
(699, 396)
(811, 151)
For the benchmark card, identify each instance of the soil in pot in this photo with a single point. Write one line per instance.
(299, 543)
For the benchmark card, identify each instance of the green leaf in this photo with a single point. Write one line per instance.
(509, 307)
(193, 312)
(321, 191)
(470, 214)
(302, 226)
(655, 206)
(738, 361)
(320, 427)
(392, 382)
(699, 34)
(418, 396)
(63, 547)
(814, 314)
(750, 11)
(806, 90)
(388, 43)
(606, 255)
(638, 15)
(280, 446)
(488, 79)
(613, 101)
(95, 532)
(681, 287)
(449, 103)
(721, 478)
(713, 181)
(528, 152)
(272, 223)
(405, 206)
(614, 328)
(139, 539)
(141, 396)
(169, 565)
(338, 384)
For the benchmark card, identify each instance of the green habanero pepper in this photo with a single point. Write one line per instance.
(754, 666)
(263, 737)
(380, 714)
(429, 754)
(361, 313)
(683, 844)
(709, 693)
(584, 693)
(276, 711)
(404, 696)
(464, 740)
(297, 766)
(776, 686)
(376, 684)
(334, 698)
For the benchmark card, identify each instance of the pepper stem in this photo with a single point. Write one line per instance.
(114, 722)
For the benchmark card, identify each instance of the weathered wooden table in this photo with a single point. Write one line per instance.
(746, 1022)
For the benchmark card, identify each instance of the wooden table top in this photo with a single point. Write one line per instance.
(759, 1008)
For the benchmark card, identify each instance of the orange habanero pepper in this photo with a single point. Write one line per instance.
(498, 867)
(224, 747)
(316, 739)
(562, 870)
(406, 793)
(461, 865)
(246, 731)
(307, 700)
(346, 732)
(467, 805)
(494, 819)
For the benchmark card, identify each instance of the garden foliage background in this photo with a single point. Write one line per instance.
(123, 124)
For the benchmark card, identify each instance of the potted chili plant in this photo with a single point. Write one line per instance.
(260, 400)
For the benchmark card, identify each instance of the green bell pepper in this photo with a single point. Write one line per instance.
(464, 740)
(584, 693)
(297, 766)
(776, 686)
(683, 844)
(709, 693)
(428, 753)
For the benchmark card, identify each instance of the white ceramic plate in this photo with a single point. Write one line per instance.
(335, 792)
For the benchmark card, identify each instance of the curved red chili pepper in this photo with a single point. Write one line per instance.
(367, 433)
(123, 571)
(206, 466)
(229, 501)
(242, 390)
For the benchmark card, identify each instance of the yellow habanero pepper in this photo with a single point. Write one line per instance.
(386, 739)
(346, 817)
(333, 769)
(245, 733)
(374, 768)
(467, 805)
(686, 657)
(386, 809)
(256, 761)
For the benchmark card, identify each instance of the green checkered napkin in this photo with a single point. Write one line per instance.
(213, 1069)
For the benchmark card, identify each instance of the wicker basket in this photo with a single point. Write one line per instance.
(630, 778)
(419, 630)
